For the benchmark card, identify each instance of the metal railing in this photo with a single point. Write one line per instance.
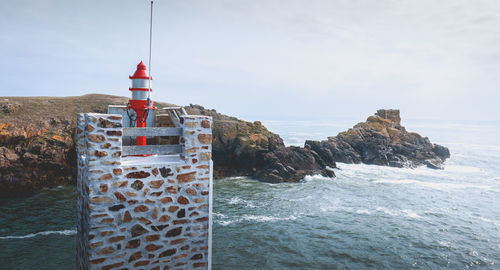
(128, 150)
(174, 113)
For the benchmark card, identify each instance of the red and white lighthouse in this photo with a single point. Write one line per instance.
(140, 101)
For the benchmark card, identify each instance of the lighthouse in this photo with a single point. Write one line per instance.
(140, 101)
(178, 157)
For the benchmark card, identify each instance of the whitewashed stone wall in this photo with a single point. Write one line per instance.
(134, 214)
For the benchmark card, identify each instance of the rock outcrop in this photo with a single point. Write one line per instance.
(381, 140)
(243, 148)
(37, 149)
(36, 145)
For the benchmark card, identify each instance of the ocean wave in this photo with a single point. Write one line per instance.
(225, 222)
(364, 211)
(237, 200)
(255, 218)
(31, 235)
(308, 178)
(402, 212)
(358, 170)
(461, 169)
(391, 212)
(302, 199)
(219, 215)
(267, 218)
(496, 223)
(237, 177)
(433, 185)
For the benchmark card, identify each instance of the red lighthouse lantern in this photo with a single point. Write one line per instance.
(140, 101)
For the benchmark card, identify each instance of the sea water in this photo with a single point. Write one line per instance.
(367, 217)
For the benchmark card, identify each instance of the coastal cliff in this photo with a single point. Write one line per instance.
(36, 145)
(37, 148)
(243, 148)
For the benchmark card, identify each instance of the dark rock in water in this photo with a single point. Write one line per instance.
(434, 165)
(243, 148)
(382, 140)
(37, 148)
(291, 164)
(329, 172)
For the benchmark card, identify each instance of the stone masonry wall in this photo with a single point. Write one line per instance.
(142, 212)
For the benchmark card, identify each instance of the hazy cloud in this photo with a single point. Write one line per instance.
(265, 59)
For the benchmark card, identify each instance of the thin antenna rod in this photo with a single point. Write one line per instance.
(150, 44)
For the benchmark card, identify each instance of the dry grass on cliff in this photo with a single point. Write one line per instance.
(55, 117)
(36, 110)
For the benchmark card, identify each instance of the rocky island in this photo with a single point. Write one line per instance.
(38, 152)
(381, 140)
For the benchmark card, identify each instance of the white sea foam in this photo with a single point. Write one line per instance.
(432, 185)
(256, 218)
(395, 212)
(357, 170)
(234, 200)
(461, 169)
(237, 177)
(219, 215)
(302, 199)
(410, 213)
(31, 235)
(363, 211)
(496, 223)
(308, 178)
(237, 200)
(444, 243)
(225, 222)
(267, 218)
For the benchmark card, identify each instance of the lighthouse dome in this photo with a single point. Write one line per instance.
(141, 80)
(141, 72)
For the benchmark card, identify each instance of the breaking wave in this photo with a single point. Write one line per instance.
(31, 235)
(375, 211)
(461, 169)
(237, 200)
(255, 218)
(433, 185)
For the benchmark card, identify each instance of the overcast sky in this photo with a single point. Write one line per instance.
(264, 59)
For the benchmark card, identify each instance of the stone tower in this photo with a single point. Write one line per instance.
(143, 212)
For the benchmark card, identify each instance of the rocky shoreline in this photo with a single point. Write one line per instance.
(38, 152)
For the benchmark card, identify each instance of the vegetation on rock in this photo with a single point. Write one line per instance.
(37, 148)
